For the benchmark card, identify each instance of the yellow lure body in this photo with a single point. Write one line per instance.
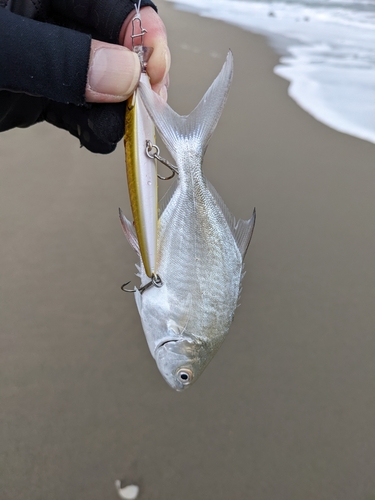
(142, 178)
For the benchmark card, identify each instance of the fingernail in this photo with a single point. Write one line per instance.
(114, 71)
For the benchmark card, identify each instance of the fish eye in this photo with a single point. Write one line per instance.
(185, 376)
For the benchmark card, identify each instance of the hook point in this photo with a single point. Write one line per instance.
(125, 289)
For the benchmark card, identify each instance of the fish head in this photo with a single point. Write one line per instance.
(181, 361)
(180, 351)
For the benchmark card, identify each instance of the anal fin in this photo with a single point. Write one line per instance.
(129, 232)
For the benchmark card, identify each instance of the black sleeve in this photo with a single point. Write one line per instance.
(44, 63)
(105, 17)
(42, 59)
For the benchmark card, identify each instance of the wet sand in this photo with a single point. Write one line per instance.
(286, 410)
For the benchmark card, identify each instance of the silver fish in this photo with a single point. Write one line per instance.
(200, 249)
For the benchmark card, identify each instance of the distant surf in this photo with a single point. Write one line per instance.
(327, 50)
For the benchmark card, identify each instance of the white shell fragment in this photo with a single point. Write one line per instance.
(129, 492)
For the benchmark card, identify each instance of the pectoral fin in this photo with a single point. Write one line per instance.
(163, 203)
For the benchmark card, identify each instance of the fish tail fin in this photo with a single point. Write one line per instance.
(200, 124)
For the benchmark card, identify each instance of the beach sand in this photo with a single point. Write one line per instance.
(286, 410)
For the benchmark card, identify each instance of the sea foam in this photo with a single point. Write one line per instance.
(327, 51)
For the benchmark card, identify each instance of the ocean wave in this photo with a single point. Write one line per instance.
(327, 50)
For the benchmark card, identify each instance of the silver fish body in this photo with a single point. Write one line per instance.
(200, 247)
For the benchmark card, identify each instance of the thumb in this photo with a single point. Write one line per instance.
(113, 73)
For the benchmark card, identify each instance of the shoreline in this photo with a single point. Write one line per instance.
(321, 88)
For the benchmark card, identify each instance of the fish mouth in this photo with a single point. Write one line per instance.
(164, 342)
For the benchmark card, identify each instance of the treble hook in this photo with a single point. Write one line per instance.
(156, 156)
(155, 281)
(125, 290)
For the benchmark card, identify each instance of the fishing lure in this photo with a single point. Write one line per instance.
(140, 164)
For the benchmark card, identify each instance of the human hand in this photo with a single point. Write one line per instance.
(114, 70)
(51, 72)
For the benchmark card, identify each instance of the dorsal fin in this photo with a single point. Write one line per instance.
(242, 230)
